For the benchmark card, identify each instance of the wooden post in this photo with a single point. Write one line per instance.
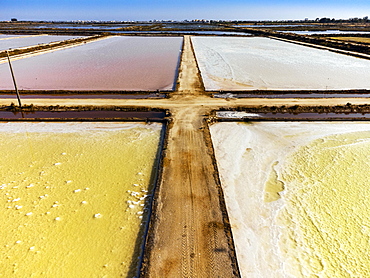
(15, 84)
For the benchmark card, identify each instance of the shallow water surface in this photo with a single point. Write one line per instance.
(32, 40)
(5, 37)
(85, 96)
(83, 114)
(272, 25)
(114, 63)
(334, 32)
(194, 32)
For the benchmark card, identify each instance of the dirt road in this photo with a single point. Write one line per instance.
(188, 235)
(175, 102)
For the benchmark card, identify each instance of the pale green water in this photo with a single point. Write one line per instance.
(73, 197)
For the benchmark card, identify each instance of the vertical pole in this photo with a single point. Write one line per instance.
(15, 84)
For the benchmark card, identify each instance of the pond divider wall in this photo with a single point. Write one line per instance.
(149, 235)
(155, 179)
(176, 81)
(203, 88)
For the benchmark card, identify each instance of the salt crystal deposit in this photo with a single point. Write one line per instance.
(261, 63)
(297, 196)
(71, 229)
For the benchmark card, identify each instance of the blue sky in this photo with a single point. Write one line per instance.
(179, 10)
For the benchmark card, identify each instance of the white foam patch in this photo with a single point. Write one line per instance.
(236, 114)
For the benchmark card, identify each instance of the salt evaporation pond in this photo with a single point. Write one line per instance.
(74, 197)
(5, 37)
(115, 63)
(273, 25)
(326, 32)
(32, 40)
(195, 32)
(297, 196)
(262, 63)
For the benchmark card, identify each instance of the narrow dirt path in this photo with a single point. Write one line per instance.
(189, 236)
(190, 82)
(174, 103)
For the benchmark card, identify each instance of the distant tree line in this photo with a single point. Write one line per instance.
(365, 19)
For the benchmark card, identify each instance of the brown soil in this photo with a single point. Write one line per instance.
(354, 39)
(188, 100)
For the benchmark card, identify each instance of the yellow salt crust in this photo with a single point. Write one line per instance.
(73, 197)
(325, 223)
